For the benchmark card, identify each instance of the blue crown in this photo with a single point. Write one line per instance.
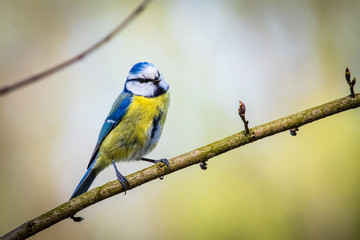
(140, 66)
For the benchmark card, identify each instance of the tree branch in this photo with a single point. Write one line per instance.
(199, 155)
(32, 79)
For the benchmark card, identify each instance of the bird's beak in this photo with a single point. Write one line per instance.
(157, 80)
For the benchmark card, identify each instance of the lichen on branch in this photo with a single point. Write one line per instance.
(196, 156)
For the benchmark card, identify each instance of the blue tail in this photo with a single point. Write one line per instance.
(85, 182)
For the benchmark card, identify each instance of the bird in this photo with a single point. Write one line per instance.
(133, 126)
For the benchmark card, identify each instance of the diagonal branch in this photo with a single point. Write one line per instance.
(201, 154)
(32, 79)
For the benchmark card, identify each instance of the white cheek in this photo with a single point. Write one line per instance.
(141, 89)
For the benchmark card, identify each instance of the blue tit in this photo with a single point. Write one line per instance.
(134, 125)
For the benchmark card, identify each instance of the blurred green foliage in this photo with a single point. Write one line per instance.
(278, 56)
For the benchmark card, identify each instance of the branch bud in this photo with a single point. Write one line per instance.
(347, 74)
(242, 109)
(351, 83)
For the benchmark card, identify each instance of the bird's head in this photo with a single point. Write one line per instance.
(145, 80)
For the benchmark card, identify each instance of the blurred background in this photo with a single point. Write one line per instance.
(278, 56)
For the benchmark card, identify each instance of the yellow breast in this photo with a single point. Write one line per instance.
(131, 138)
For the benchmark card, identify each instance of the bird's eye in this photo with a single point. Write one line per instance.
(143, 80)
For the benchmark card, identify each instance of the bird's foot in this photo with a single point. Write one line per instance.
(164, 161)
(122, 179)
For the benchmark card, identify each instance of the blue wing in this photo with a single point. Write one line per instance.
(117, 112)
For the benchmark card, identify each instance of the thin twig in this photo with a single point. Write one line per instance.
(196, 156)
(7, 89)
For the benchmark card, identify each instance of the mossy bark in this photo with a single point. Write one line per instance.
(196, 156)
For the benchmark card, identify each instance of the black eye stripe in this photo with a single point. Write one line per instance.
(145, 80)
(141, 80)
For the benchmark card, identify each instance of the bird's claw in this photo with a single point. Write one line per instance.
(164, 161)
(123, 180)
